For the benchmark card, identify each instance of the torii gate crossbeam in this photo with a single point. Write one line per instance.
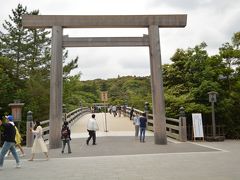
(152, 22)
(105, 41)
(104, 21)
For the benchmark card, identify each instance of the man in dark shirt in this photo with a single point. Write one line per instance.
(131, 113)
(143, 125)
(9, 133)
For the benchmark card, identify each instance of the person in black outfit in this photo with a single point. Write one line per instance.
(9, 133)
(131, 113)
(66, 137)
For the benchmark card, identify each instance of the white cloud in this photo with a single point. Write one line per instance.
(110, 62)
(211, 21)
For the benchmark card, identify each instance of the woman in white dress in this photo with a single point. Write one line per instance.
(39, 145)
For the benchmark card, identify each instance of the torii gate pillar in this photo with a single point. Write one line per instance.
(157, 86)
(56, 88)
(152, 22)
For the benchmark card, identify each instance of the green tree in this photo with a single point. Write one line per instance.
(8, 86)
(196, 74)
(37, 55)
(230, 80)
(13, 42)
(28, 53)
(236, 40)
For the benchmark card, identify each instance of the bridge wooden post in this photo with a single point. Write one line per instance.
(182, 129)
(56, 85)
(159, 118)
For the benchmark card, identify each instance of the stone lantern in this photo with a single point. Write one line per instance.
(182, 111)
(16, 108)
(146, 107)
(182, 125)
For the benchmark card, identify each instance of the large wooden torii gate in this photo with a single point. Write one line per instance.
(152, 22)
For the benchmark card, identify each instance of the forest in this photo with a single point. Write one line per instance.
(25, 75)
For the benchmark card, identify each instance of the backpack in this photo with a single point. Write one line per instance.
(18, 137)
(65, 133)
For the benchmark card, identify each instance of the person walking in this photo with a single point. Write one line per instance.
(39, 145)
(18, 140)
(131, 113)
(92, 127)
(66, 137)
(114, 110)
(136, 123)
(9, 133)
(110, 109)
(143, 125)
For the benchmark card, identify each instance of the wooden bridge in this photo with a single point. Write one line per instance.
(114, 126)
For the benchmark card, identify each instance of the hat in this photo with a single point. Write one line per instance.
(10, 118)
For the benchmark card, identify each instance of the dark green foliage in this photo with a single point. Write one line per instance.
(7, 85)
(133, 91)
(25, 66)
(193, 74)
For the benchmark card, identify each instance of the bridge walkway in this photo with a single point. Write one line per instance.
(116, 126)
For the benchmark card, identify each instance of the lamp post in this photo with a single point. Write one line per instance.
(213, 99)
(146, 110)
(104, 99)
(29, 135)
(125, 108)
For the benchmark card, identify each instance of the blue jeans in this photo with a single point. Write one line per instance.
(8, 146)
(142, 134)
(66, 141)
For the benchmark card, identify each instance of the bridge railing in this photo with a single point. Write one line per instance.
(71, 118)
(175, 128)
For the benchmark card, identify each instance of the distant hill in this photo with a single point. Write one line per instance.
(130, 90)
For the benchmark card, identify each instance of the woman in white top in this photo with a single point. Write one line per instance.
(39, 145)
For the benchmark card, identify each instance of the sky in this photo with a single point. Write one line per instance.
(210, 21)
